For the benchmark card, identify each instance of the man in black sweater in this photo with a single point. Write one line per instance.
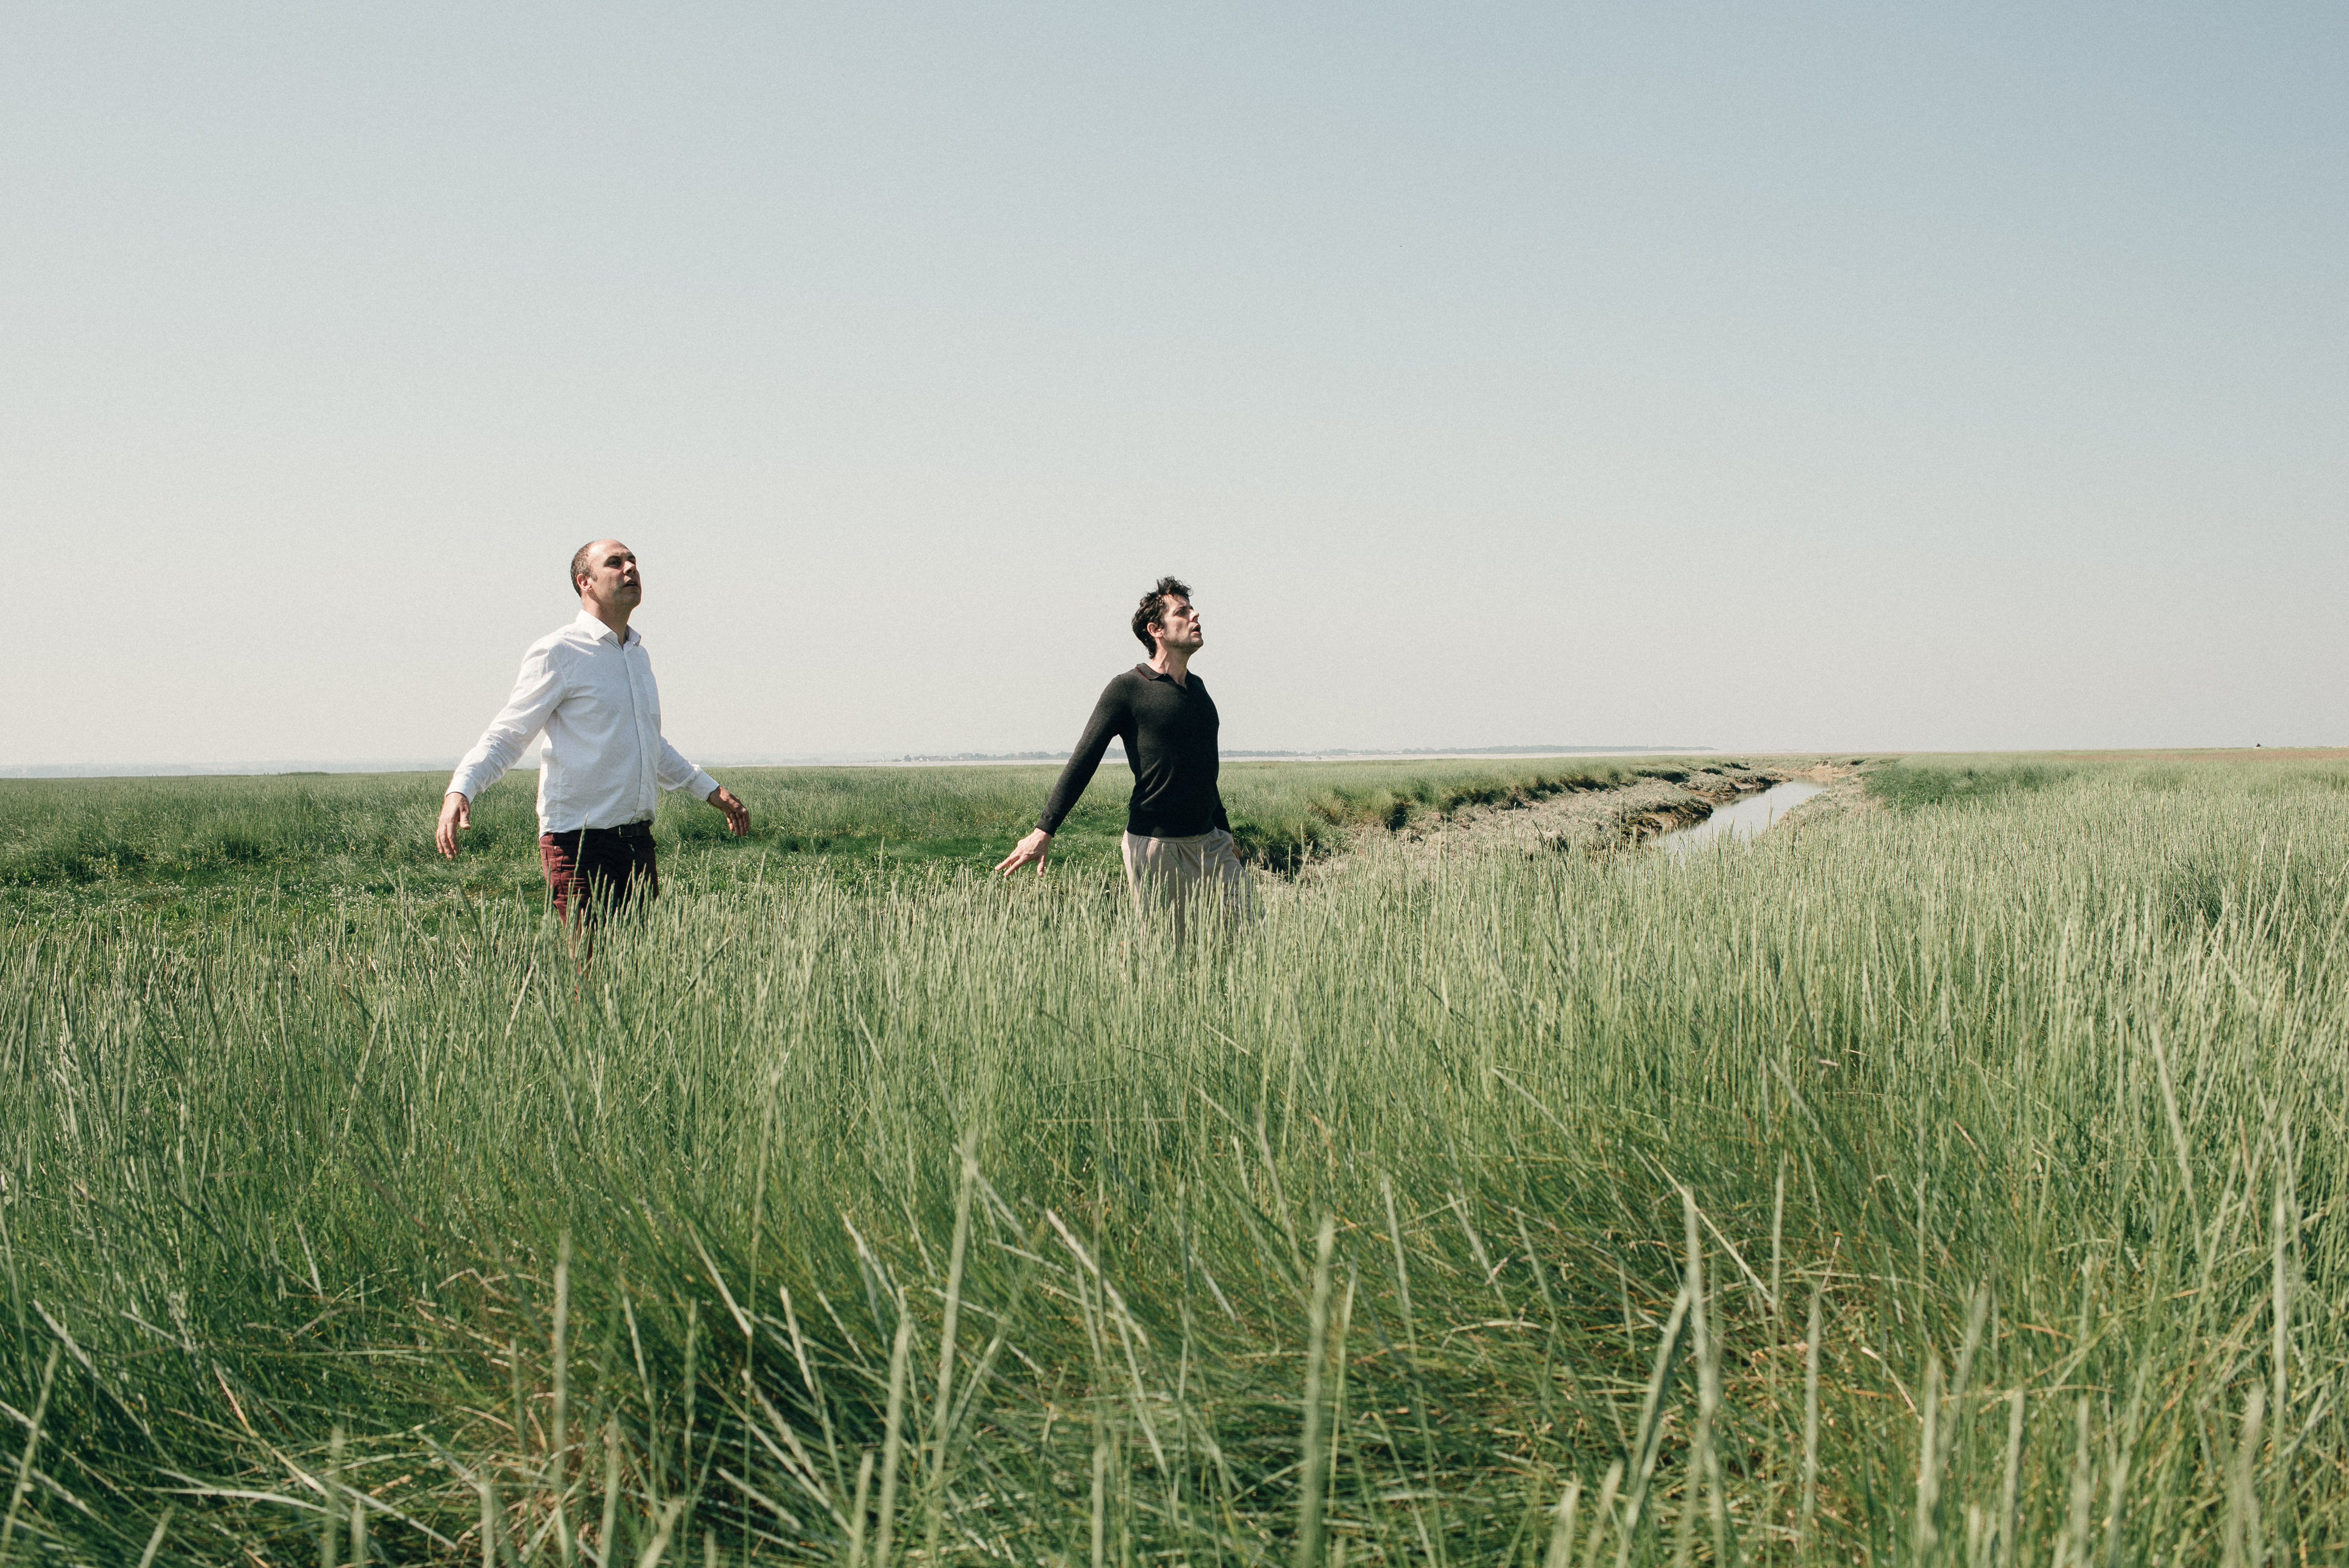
(1178, 842)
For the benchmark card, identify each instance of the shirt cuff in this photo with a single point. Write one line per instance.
(701, 784)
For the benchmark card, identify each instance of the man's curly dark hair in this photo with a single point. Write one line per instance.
(1155, 603)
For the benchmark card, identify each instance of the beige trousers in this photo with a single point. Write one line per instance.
(1181, 883)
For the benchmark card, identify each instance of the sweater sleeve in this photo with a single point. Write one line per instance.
(1109, 719)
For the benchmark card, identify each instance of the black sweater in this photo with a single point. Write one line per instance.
(1169, 731)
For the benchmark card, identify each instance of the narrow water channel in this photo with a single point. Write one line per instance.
(1742, 820)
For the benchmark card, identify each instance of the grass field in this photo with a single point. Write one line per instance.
(1958, 1181)
(130, 843)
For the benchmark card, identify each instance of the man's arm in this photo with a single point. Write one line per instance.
(536, 691)
(676, 773)
(1109, 720)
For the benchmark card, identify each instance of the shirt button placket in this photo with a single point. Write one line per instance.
(635, 716)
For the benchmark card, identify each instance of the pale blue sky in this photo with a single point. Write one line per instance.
(1835, 376)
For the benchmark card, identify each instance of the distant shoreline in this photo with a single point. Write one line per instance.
(860, 760)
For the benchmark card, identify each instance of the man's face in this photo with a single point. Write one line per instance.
(611, 576)
(1178, 623)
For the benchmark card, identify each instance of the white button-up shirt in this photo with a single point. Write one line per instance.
(604, 761)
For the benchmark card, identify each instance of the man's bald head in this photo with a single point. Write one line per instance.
(597, 553)
(603, 575)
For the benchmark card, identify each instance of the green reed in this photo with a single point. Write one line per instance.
(109, 845)
(1957, 1184)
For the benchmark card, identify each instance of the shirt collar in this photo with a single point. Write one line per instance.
(602, 633)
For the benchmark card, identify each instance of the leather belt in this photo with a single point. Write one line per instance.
(643, 830)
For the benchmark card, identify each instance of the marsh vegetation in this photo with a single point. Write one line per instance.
(79, 844)
(1957, 1181)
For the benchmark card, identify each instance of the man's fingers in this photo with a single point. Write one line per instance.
(456, 811)
(1030, 848)
(1034, 847)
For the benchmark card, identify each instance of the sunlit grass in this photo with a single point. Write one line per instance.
(77, 843)
(1958, 1184)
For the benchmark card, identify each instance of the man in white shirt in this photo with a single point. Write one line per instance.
(590, 687)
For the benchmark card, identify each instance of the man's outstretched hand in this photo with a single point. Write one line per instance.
(456, 812)
(1034, 847)
(738, 815)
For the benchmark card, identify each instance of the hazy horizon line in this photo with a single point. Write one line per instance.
(288, 766)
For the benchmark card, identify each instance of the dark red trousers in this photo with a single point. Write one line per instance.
(593, 871)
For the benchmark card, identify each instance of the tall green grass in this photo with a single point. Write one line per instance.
(1951, 1186)
(1909, 782)
(75, 843)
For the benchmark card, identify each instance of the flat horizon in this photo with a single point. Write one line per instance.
(294, 766)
